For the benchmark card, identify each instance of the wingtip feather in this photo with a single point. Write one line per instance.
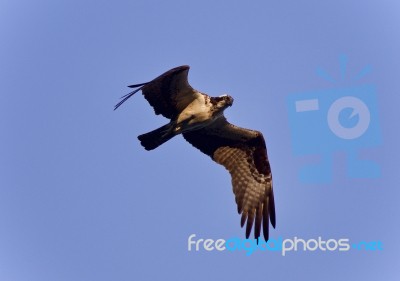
(124, 98)
(137, 85)
(266, 219)
(272, 209)
(243, 219)
(249, 226)
(257, 226)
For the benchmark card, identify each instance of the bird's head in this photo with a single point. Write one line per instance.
(224, 101)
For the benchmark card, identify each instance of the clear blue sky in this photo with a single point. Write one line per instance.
(80, 199)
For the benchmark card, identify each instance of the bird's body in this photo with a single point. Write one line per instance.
(200, 119)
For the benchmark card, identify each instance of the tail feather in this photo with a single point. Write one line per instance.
(154, 139)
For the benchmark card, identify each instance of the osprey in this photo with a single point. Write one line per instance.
(200, 119)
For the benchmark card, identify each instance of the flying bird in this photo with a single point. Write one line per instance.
(200, 119)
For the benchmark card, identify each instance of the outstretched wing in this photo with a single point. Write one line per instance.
(168, 94)
(244, 155)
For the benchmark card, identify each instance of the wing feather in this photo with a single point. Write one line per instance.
(266, 217)
(243, 153)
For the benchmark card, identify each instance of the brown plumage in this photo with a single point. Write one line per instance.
(200, 119)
